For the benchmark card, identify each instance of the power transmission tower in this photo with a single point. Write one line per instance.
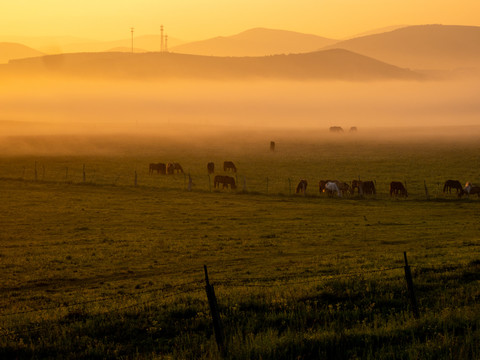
(161, 38)
(131, 29)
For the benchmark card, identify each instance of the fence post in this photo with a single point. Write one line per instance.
(217, 324)
(408, 277)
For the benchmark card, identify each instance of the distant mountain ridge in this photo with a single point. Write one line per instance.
(330, 64)
(16, 51)
(437, 47)
(256, 42)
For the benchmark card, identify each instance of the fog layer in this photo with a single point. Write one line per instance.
(187, 111)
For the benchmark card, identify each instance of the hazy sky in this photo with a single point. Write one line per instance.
(196, 20)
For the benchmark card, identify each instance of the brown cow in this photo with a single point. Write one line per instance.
(301, 187)
(397, 188)
(369, 188)
(173, 168)
(229, 165)
(452, 184)
(211, 167)
(225, 181)
(160, 168)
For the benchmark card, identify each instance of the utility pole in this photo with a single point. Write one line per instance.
(166, 43)
(161, 38)
(131, 29)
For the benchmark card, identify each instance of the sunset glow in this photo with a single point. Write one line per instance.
(195, 20)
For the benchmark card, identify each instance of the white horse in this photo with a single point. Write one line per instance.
(331, 188)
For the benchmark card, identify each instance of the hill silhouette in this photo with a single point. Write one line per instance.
(329, 64)
(9, 51)
(256, 42)
(437, 47)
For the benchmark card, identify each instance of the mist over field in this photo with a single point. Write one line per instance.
(161, 112)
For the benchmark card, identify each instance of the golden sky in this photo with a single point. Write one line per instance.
(197, 20)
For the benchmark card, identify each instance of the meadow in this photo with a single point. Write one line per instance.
(101, 260)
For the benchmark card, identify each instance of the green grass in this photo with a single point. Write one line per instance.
(104, 269)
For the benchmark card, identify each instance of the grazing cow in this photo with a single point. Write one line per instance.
(343, 187)
(452, 184)
(160, 168)
(229, 165)
(357, 184)
(173, 168)
(301, 187)
(321, 185)
(470, 189)
(336, 129)
(331, 188)
(225, 181)
(397, 188)
(272, 145)
(369, 188)
(211, 167)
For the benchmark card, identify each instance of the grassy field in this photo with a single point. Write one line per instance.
(104, 269)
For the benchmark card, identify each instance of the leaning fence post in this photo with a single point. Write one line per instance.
(217, 324)
(408, 277)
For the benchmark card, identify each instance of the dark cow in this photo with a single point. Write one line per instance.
(369, 188)
(321, 185)
(336, 129)
(160, 168)
(452, 184)
(301, 187)
(225, 181)
(357, 184)
(272, 145)
(173, 168)
(229, 165)
(397, 188)
(211, 167)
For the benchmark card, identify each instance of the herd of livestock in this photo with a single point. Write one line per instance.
(330, 187)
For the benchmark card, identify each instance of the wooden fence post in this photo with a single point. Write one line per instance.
(408, 277)
(217, 324)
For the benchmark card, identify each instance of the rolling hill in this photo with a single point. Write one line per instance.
(329, 64)
(9, 51)
(434, 47)
(256, 42)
